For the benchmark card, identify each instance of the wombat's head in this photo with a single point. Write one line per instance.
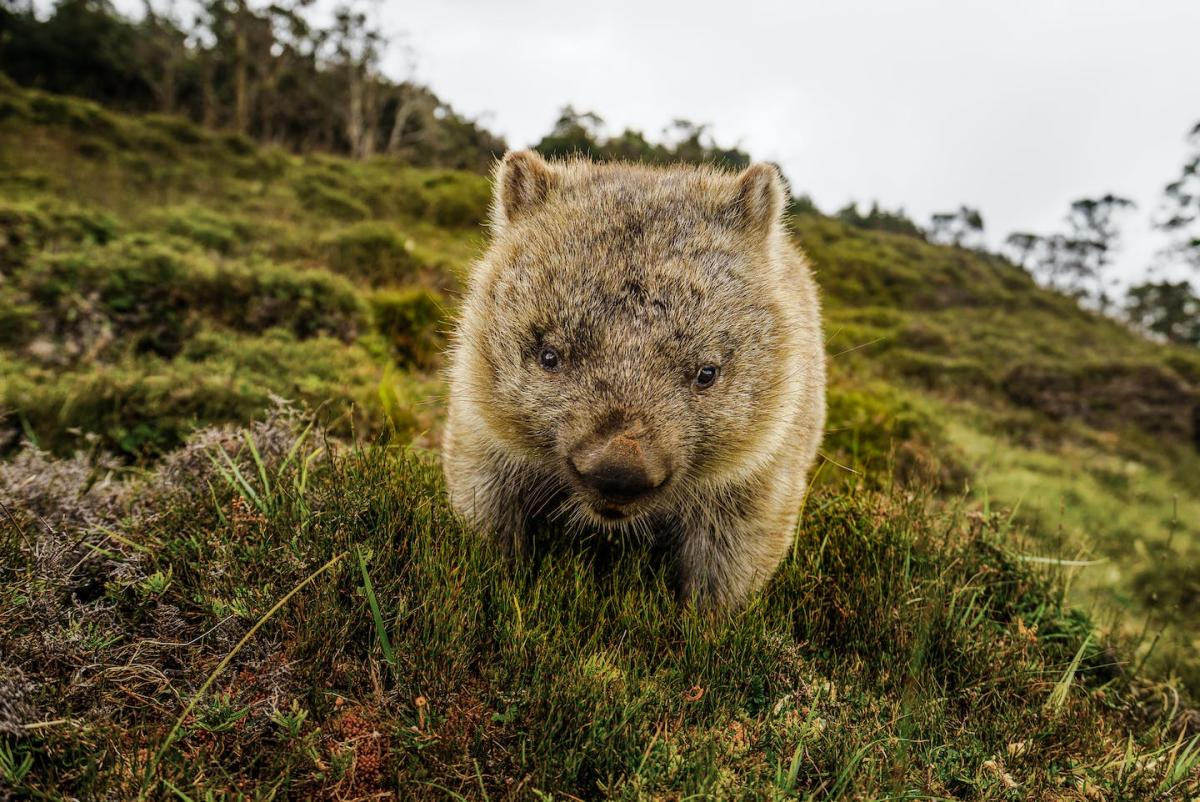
(628, 327)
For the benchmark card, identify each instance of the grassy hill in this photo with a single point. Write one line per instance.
(207, 591)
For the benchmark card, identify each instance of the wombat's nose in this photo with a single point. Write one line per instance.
(617, 482)
(620, 469)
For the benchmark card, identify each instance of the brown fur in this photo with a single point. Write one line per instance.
(638, 276)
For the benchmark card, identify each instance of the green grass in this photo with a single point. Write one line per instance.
(162, 287)
(1148, 547)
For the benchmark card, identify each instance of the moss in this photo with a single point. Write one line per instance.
(412, 322)
(372, 251)
(876, 433)
(150, 296)
(320, 197)
(207, 228)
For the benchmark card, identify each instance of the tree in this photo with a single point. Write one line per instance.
(961, 228)
(82, 48)
(575, 133)
(879, 219)
(1181, 203)
(1082, 257)
(1170, 310)
(161, 47)
(1075, 262)
(355, 46)
(694, 144)
(1020, 246)
(632, 146)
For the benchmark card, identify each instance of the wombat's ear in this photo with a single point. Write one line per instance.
(523, 180)
(759, 198)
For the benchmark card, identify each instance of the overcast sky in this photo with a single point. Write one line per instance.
(1016, 108)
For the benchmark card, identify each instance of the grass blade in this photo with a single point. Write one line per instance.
(1058, 696)
(380, 630)
(235, 478)
(258, 462)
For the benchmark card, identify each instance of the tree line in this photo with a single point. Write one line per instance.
(581, 133)
(267, 72)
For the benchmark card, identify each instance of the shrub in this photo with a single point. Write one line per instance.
(137, 409)
(140, 289)
(21, 230)
(881, 433)
(258, 295)
(373, 251)
(141, 407)
(411, 320)
(150, 297)
(81, 116)
(27, 227)
(457, 199)
(206, 228)
(18, 317)
(318, 195)
(445, 197)
(180, 129)
(1109, 395)
(942, 372)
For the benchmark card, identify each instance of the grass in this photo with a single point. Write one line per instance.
(1149, 529)
(905, 650)
(993, 595)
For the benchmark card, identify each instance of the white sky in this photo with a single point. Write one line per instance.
(1016, 108)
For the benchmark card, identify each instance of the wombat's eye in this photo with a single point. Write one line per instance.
(705, 377)
(549, 359)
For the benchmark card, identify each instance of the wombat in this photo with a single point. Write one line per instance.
(640, 350)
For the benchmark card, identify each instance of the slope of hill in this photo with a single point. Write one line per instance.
(161, 287)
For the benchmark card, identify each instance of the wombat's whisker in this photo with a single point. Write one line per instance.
(857, 347)
(543, 496)
(831, 460)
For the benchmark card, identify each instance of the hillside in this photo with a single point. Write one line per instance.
(163, 287)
